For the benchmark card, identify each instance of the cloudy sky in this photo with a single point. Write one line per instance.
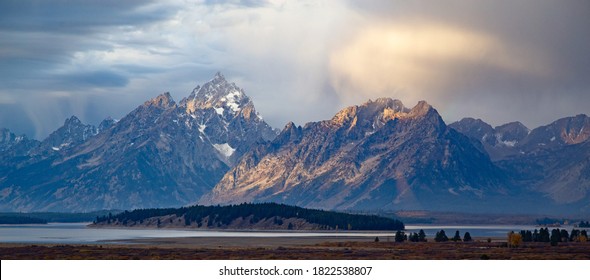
(500, 61)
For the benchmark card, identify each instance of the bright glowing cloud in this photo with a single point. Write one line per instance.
(298, 60)
(421, 61)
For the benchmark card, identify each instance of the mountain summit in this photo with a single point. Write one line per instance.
(162, 154)
(213, 147)
(379, 155)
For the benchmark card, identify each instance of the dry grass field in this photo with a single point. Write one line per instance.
(297, 248)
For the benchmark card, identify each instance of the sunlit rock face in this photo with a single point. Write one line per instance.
(379, 155)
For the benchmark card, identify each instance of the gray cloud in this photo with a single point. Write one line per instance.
(99, 78)
(41, 45)
(244, 3)
(299, 60)
(549, 38)
(78, 17)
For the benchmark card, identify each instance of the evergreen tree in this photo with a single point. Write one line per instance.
(421, 236)
(583, 236)
(441, 236)
(555, 237)
(544, 235)
(457, 236)
(564, 235)
(467, 237)
(400, 236)
(536, 236)
(575, 235)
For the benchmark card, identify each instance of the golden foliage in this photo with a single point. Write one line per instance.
(514, 239)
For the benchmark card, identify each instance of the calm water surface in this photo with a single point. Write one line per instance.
(79, 233)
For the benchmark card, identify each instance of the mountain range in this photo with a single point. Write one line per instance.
(214, 148)
(159, 155)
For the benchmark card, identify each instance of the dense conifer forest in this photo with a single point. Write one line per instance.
(219, 216)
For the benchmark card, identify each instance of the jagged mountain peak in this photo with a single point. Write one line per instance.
(73, 120)
(386, 101)
(9, 139)
(163, 100)
(219, 77)
(360, 159)
(421, 109)
(71, 134)
(290, 126)
(513, 126)
(106, 124)
(471, 121)
(565, 131)
(224, 97)
(511, 133)
(381, 110)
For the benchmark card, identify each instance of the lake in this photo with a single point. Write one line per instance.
(78, 233)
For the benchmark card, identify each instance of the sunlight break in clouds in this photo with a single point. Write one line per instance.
(299, 61)
(420, 61)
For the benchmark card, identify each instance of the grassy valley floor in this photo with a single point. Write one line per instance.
(328, 248)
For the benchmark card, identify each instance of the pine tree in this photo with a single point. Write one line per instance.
(457, 236)
(441, 236)
(555, 237)
(421, 236)
(467, 237)
(564, 235)
(536, 236)
(400, 236)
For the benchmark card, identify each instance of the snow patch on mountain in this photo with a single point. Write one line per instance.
(232, 99)
(225, 149)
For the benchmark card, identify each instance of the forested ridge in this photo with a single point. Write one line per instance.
(279, 214)
(17, 220)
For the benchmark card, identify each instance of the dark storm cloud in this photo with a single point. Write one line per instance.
(496, 60)
(79, 17)
(39, 41)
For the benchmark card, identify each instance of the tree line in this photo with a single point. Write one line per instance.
(420, 236)
(217, 216)
(554, 236)
(19, 220)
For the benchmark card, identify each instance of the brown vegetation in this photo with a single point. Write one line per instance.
(313, 248)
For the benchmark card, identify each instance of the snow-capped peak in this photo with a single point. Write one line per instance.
(224, 97)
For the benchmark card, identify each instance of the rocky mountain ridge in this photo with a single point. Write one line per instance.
(553, 159)
(160, 154)
(213, 147)
(379, 155)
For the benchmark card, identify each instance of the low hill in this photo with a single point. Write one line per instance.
(58, 217)
(248, 216)
(16, 220)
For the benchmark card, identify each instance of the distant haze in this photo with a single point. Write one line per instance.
(298, 60)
